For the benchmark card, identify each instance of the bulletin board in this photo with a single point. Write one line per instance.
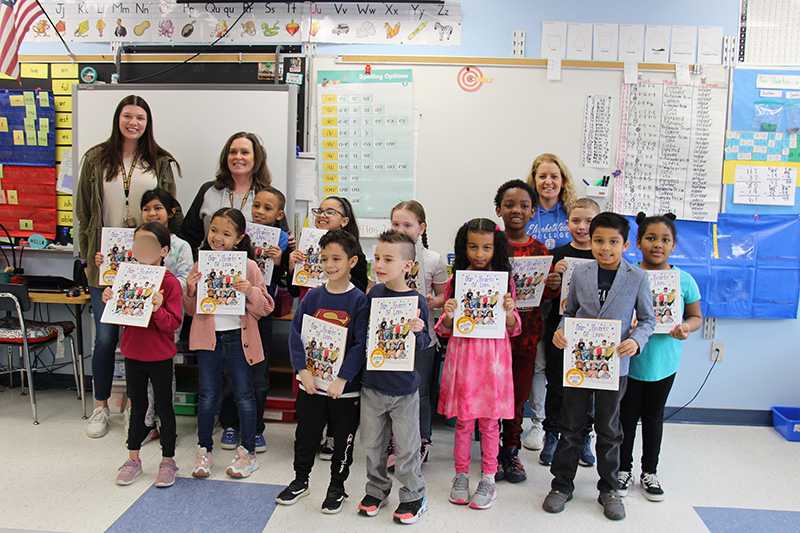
(27, 128)
(764, 131)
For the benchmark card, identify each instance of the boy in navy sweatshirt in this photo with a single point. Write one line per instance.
(390, 399)
(338, 302)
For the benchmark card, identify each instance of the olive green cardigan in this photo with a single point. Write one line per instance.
(89, 206)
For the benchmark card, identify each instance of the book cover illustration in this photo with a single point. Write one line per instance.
(324, 345)
(116, 245)
(529, 274)
(415, 278)
(665, 286)
(572, 262)
(133, 288)
(309, 272)
(480, 312)
(590, 358)
(391, 343)
(263, 237)
(215, 292)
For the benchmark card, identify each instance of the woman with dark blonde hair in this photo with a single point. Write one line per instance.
(555, 193)
(242, 170)
(115, 174)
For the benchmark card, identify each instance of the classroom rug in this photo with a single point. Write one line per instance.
(201, 505)
(721, 519)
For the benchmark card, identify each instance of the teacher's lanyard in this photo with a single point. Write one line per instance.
(244, 199)
(130, 221)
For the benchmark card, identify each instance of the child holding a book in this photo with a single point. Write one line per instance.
(579, 219)
(651, 375)
(390, 399)
(610, 289)
(341, 303)
(477, 382)
(228, 339)
(268, 210)
(148, 356)
(514, 204)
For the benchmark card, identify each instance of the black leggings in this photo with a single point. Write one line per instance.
(137, 373)
(645, 400)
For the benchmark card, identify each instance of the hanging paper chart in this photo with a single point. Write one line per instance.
(366, 138)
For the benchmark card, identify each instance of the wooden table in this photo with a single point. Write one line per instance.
(79, 302)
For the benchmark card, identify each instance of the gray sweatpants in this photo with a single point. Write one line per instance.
(382, 416)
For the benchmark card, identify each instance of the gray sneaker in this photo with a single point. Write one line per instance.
(459, 494)
(484, 495)
(612, 505)
(555, 501)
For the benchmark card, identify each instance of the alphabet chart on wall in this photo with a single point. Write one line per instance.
(366, 138)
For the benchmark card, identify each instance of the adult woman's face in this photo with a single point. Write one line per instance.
(241, 158)
(132, 122)
(548, 182)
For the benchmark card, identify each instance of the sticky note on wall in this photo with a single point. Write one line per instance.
(63, 103)
(63, 120)
(64, 202)
(64, 218)
(63, 87)
(33, 70)
(64, 137)
(3, 125)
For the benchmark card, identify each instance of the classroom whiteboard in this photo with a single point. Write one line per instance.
(472, 142)
(193, 122)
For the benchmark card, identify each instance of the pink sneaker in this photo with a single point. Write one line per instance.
(167, 472)
(129, 472)
(203, 463)
(243, 464)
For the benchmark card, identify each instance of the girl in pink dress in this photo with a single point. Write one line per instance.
(477, 385)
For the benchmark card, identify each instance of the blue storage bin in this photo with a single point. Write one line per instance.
(786, 421)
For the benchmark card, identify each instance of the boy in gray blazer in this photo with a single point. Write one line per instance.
(609, 289)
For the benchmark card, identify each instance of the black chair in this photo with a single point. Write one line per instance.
(29, 336)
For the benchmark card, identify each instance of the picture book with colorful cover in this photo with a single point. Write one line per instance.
(529, 274)
(415, 278)
(219, 271)
(480, 312)
(309, 272)
(390, 342)
(572, 262)
(263, 237)
(590, 358)
(325, 345)
(133, 288)
(665, 286)
(116, 245)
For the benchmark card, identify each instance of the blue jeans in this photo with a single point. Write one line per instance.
(106, 338)
(229, 349)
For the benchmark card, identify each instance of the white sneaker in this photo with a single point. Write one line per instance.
(244, 464)
(98, 422)
(203, 463)
(535, 438)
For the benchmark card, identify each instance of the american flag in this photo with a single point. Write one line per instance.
(15, 18)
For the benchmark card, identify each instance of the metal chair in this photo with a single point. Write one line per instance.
(14, 298)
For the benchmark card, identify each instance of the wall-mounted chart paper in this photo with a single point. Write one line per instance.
(668, 152)
(631, 42)
(554, 40)
(760, 185)
(656, 44)
(366, 138)
(596, 147)
(684, 44)
(579, 41)
(605, 42)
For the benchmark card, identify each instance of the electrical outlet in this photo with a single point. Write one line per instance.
(717, 351)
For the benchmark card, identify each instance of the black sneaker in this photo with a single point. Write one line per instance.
(625, 480)
(370, 506)
(334, 500)
(652, 488)
(409, 512)
(296, 490)
(512, 466)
